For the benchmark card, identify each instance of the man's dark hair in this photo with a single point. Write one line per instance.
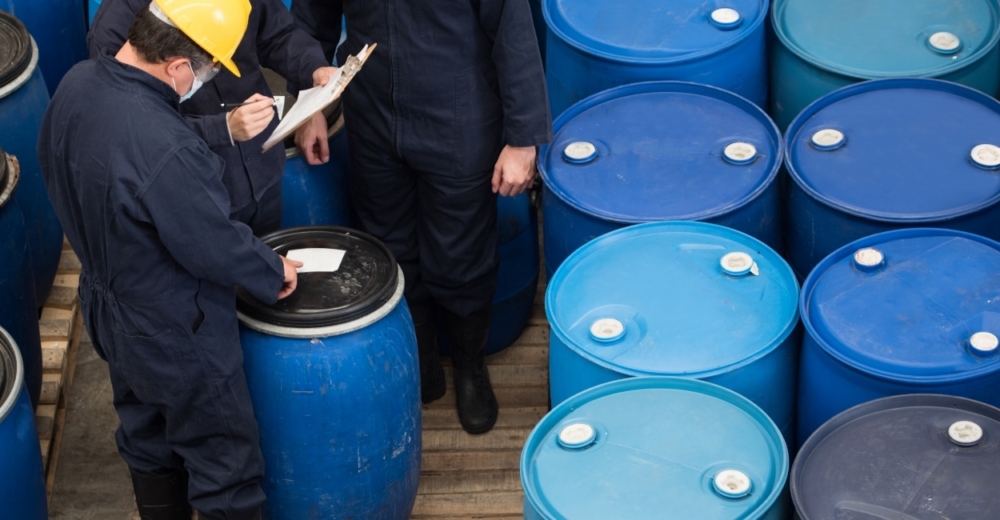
(156, 42)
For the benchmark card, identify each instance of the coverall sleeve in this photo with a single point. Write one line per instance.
(285, 48)
(515, 55)
(188, 204)
(321, 20)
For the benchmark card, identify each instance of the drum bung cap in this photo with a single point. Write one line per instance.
(983, 343)
(828, 139)
(580, 152)
(607, 329)
(868, 259)
(965, 433)
(726, 18)
(731, 483)
(738, 264)
(740, 153)
(576, 436)
(944, 42)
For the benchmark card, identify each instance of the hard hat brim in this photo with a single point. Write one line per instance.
(230, 66)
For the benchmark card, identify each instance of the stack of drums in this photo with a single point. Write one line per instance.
(23, 100)
(18, 312)
(333, 375)
(659, 151)
(599, 44)
(889, 154)
(677, 299)
(22, 480)
(912, 457)
(60, 28)
(907, 311)
(655, 447)
(824, 45)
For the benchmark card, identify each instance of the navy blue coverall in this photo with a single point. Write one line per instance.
(271, 40)
(141, 198)
(449, 85)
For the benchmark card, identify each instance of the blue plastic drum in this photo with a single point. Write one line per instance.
(22, 479)
(891, 154)
(659, 151)
(908, 311)
(823, 45)
(18, 312)
(23, 100)
(599, 44)
(655, 447)
(333, 374)
(910, 457)
(321, 194)
(92, 6)
(682, 299)
(60, 28)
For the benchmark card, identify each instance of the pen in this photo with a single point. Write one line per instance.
(235, 105)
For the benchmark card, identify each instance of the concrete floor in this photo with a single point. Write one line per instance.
(92, 482)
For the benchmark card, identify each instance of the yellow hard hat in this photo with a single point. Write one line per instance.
(217, 26)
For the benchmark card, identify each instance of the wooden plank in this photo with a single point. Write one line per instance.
(55, 329)
(521, 355)
(495, 439)
(62, 298)
(53, 356)
(69, 262)
(447, 418)
(51, 385)
(55, 448)
(511, 375)
(45, 418)
(52, 313)
(467, 505)
(67, 279)
(45, 444)
(469, 482)
(478, 460)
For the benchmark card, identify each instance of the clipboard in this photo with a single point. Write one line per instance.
(316, 99)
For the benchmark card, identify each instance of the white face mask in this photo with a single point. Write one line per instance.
(195, 85)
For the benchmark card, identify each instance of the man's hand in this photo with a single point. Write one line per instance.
(514, 171)
(247, 121)
(311, 139)
(291, 277)
(322, 75)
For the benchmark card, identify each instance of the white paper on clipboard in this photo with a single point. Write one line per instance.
(315, 99)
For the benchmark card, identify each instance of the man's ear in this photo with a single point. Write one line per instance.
(176, 66)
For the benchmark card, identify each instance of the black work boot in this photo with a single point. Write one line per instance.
(432, 384)
(162, 497)
(476, 403)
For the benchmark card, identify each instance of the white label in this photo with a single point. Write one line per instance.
(317, 260)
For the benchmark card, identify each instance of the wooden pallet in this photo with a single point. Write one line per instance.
(477, 476)
(60, 326)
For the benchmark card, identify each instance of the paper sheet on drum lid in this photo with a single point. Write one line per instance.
(317, 260)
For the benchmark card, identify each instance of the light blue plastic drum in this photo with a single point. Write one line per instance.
(18, 312)
(907, 311)
(891, 154)
(659, 151)
(823, 45)
(684, 299)
(23, 100)
(92, 6)
(321, 194)
(908, 457)
(655, 447)
(333, 374)
(600, 44)
(60, 28)
(22, 479)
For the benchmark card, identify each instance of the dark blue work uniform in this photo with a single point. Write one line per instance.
(141, 198)
(271, 40)
(449, 85)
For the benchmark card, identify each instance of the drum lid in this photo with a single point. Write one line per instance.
(15, 48)
(358, 276)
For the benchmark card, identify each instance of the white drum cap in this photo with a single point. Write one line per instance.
(732, 483)
(740, 153)
(945, 42)
(726, 18)
(607, 329)
(986, 156)
(984, 343)
(868, 259)
(737, 264)
(576, 436)
(965, 433)
(579, 152)
(828, 139)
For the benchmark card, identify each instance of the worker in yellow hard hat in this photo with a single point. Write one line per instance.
(142, 201)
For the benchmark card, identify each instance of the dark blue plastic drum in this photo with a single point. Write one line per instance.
(595, 45)
(59, 27)
(23, 100)
(18, 312)
(907, 311)
(22, 479)
(333, 374)
(890, 154)
(659, 151)
(909, 457)
(321, 194)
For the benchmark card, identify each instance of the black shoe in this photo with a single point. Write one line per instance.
(432, 383)
(476, 403)
(162, 497)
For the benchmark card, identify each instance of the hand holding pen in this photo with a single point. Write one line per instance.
(251, 117)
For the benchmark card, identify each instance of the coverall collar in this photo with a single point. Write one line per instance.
(131, 79)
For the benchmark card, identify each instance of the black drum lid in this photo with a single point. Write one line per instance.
(364, 282)
(15, 48)
(8, 368)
